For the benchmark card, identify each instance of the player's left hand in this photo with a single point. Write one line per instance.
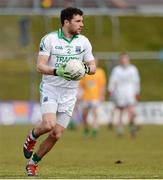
(87, 68)
(137, 96)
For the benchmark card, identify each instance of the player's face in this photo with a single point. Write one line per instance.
(75, 25)
(124, 60)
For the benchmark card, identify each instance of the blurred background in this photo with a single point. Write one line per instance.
(113, 26)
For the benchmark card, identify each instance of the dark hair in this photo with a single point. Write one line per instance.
(67, 14)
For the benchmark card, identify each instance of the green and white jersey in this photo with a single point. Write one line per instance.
(60, 50)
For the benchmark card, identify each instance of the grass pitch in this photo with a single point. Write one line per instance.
(77, 157)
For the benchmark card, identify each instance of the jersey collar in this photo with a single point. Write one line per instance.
(62, 36)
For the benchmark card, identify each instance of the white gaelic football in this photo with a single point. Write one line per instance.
(76, 69)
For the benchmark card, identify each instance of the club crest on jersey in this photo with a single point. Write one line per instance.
(45, 99)
(78, 49)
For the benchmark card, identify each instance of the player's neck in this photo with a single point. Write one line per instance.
(125, 65)
(66, 33)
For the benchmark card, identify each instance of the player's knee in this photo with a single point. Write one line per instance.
(56, 134)
(48, 125)
(132, 113)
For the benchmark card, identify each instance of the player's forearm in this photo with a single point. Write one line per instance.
(45, 69)
(42, 65)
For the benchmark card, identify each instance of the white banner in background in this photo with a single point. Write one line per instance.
(147, 113)
(19, 112)
(23, 112)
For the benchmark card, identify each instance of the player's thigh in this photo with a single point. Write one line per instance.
(131, 109)
(48, 111)
(49, 119)
(95, 105)
(47, 123)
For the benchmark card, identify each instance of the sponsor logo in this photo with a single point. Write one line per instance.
(58, 47)
(78, 49)
(69, 46)
(64, 60)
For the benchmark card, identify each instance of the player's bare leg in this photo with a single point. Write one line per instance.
(132, 115)
(95, 122)
(49, 142)
(46, 125)
(54, 135)
(120, 128)
(85, 123)
(44, 148)
(111, 119)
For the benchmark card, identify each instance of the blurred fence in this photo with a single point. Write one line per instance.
(138, 55)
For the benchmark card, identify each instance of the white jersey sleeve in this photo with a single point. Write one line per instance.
(112, 80)
(136, 80)
(45, 46)
(88, 56)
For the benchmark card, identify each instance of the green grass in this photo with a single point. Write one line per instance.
(77, 157)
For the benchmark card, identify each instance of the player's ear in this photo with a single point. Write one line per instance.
(66, 22)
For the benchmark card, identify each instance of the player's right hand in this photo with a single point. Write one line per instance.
(62, 73)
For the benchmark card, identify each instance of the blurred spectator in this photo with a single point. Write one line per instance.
(46, 4)
(93, 88)
(124, 89)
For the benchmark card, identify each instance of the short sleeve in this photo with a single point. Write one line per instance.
(113, 79)
(88, 56)
(45, 46)
(136, 80)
